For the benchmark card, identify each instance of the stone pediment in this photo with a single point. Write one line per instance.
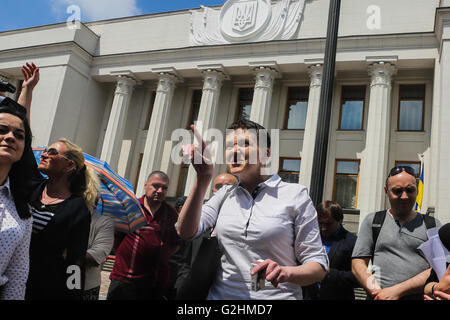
(246, 21)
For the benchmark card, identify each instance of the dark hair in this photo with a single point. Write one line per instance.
(180, 201)
(248, 124)
(21, 171)
(330, 207)
(160, 174)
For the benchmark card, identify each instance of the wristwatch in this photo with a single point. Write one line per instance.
(432, 292)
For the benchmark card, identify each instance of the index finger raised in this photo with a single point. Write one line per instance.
(198, 135)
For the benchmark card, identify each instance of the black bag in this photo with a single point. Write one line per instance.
(204, 265)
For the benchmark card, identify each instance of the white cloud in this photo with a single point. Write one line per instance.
(93, 10)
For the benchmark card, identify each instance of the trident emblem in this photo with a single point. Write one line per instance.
(244, 15)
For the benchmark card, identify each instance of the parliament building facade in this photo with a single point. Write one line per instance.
(120, 88)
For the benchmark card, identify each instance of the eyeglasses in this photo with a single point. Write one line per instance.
(399, 169)
(54, 152)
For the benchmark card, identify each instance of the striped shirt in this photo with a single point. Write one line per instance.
(42, 215)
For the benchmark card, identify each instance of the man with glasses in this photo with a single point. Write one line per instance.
(390, 239)
(141, 269)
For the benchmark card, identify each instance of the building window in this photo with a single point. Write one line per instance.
(411, 107)
(195, 106)
(182, 179)
(150, 110)
(245, 100)
(289, 169)
(413, 164)
(346, 183)
(352, 107)
(297, 106)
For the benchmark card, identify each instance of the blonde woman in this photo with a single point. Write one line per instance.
(61, 208)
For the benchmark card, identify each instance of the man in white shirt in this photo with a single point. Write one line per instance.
(263, 218)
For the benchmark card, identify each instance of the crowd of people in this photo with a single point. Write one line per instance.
(53, 242)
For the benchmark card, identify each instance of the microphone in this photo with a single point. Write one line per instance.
(6, 86)
(444, 235)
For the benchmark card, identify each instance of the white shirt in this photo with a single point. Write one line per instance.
(279, 224)
(15, 235)
(101, 241)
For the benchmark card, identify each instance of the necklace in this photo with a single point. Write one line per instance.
(44, 193)
(44, 205)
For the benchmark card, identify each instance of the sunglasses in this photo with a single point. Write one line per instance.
(399, 169)
(54, 152)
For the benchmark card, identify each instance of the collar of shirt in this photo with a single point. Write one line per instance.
(272, 182)
(333, 236)
(149, 216)
(6, 188)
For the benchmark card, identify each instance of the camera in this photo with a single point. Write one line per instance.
(6, 87)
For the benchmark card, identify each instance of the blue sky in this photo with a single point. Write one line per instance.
(18, 14)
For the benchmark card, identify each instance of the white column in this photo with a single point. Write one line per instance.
(212, 84)
(154, 142)
(117, 120)
(312, 115)
(443, 151)
(374, 158)
(262, 95)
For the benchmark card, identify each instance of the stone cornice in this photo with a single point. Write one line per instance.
(442, 19)
(269, 49)
(56, 49)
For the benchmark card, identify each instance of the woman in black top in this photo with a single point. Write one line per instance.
(61, 207)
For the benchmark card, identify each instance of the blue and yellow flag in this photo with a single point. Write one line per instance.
(418, 205)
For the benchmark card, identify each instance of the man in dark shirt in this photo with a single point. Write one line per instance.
(339, 282)
(141, 269)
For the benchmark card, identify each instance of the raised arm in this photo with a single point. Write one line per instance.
(31, 74)
(189, 216)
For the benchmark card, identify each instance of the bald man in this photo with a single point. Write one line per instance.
(223, 179)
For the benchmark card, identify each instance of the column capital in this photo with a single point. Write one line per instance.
(166, 82)
(168, 72)
(212, 79)
(265, 67)
(125, 85)
(381, 73)
(206, 69)
(315, 72)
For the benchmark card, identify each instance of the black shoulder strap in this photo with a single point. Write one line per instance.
(377, 223)
(429, 221)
